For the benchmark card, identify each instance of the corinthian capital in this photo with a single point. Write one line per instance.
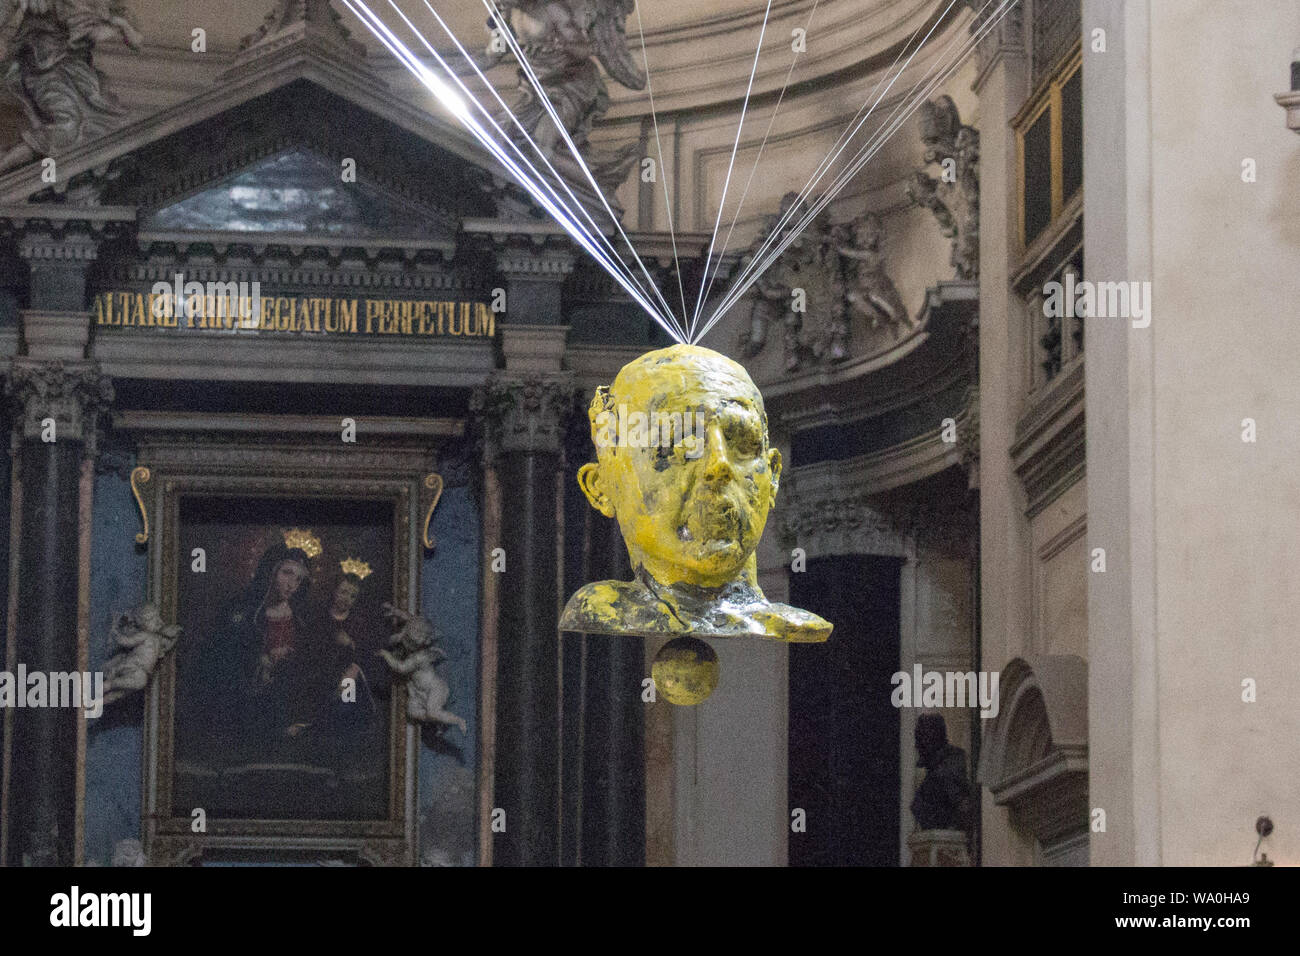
(72, 396)
(523, 413)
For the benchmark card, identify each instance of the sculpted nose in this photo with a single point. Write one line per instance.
(717, 465)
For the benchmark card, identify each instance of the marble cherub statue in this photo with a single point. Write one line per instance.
(691, 495)
(412, 656)
(140, 640)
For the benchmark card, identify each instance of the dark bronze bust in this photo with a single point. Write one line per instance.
(945, 799)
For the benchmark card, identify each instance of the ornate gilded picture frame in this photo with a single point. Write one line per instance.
(275, 728)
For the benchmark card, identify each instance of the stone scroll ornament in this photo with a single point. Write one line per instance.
(563, 40)
(47, 58)
(684, 465)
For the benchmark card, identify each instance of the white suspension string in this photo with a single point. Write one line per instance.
(508, 35)
(859, 119)
(857, 163)
(722, 202)
(726, 243)
(663, 170)
(595, 233)
(459, 107)
(865, 154)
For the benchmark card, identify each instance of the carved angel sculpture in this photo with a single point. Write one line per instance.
(412, 657)
(868, 289)
(140, 640)
(773, 286)
(46, 55)
(560, 38)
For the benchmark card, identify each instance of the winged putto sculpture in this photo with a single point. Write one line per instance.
(46, 56)
(563, 40)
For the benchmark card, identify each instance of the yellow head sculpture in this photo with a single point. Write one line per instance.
(683, 463)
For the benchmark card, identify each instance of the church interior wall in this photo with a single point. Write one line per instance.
(1182, 504)
(1225, 564)
(1198, 596)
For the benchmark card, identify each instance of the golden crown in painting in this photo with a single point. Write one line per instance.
(304, 541)
(356, 567)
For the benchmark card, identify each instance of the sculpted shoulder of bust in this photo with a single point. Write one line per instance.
(684, 465)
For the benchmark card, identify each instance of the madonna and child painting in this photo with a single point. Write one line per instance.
(282, 703)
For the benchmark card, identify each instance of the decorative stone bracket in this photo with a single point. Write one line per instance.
(1291, 103)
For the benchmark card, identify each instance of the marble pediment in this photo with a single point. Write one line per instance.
(297, 192)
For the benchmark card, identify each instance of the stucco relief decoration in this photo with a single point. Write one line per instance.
(47, 57)
(954, 194)
(563, 41)
(828, 277)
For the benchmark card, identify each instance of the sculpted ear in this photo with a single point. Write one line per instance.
(589, 482)
(774, 465)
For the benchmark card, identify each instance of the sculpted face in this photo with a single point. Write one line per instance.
(691, 505)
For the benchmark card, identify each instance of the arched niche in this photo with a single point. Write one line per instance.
(1035, 755)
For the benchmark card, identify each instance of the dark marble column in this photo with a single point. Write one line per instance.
(613, 723)
(55, 409)
(522, 418)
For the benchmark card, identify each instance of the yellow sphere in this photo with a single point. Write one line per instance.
(685, 671)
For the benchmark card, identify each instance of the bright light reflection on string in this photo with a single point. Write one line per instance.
(458, 107)
(798, 217)
(595, 233)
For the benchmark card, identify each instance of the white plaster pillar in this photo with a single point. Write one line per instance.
(1005, 553)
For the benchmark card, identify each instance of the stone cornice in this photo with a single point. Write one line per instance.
(841, 507)
(255, 245)
(241, 86)
(1035, 753)
(1005, 41)
(311, 268)
(934, 358)
(303, 427)
(294, 21)
(179, 172)
(705, 65)
(59, 233)
(51, 213)
(530, 260)
(440, 363)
